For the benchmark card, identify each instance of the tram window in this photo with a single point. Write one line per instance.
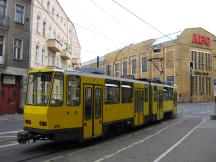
(168, 93)
(57, 90)
(112, 95)
(127, 92)
(88, 103)
(146, 93)
(73, 90)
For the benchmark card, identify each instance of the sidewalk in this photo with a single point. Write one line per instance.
(8, 117)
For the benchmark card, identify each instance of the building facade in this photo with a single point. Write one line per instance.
(54, 38)
(33, 34)
(14, 53)
(185, 58)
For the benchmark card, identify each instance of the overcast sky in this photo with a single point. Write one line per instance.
(102, 26)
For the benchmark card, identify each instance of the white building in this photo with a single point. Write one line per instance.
(54, 38)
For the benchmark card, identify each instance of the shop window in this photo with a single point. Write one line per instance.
(73, 90)
(127, 92)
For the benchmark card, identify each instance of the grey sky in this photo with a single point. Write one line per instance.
(102, 26)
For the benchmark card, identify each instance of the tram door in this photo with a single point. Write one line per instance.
(159, 104)
(92, 111)
(138, 105)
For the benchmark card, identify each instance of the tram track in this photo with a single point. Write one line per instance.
(42, 151)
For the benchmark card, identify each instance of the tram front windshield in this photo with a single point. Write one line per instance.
(39, 88)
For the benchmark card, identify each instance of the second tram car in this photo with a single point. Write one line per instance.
(67, 105)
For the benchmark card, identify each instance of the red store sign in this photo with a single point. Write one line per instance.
(201, 39)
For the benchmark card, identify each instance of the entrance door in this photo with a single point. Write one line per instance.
(92, 111)
(138, 105)
(9, 99)
(159, 104)
(13, 99)
(3, 99)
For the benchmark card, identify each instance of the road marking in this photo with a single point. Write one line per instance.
(8, 136)
(10, 132)
(179, 142)
(135, 143)
(53, 159)
(12, 144)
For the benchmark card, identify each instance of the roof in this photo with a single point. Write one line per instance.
(167, 38)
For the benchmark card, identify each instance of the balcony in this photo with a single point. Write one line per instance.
(4, 22)
(65, 54)
(54, 45)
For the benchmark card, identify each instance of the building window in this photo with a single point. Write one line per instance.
(117, 70)
(44, 28)
(50, 32)
(203, 86)
(194, 59)
(209, 87)
(124, 64)
(202, 54)
(2, 46)
(209, 62)
(199, 54)
(17, 52)
(3, 7)
(51, 59)
(200, 85)
(53, 12)
(43, 56)
(37, 53)
(38, 24)
(133, 66)
(48, 7)
(19, 16)
(144, 64)
(206, 61)
(109, 69)
(195, 85)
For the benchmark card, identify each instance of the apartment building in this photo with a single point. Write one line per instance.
(14, 53)
(54, 38)
(168, 59)
(33, 34)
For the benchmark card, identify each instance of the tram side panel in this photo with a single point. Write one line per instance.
(116, 110)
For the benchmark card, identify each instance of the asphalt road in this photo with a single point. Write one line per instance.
(189, 137)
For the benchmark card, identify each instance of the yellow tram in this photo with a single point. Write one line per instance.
(67, 105)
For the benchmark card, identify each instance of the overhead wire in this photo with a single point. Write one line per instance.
(144, 21)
